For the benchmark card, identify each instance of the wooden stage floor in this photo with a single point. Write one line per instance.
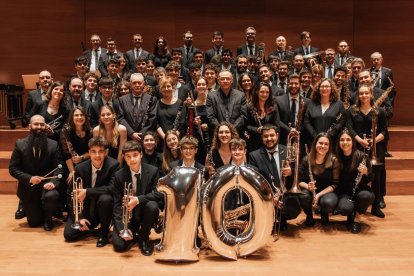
(385, 247)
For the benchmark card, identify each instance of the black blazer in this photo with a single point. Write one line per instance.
(33, 97)
(95, 107)
(88, 54)
(147, 192)
(130, 58)
(187, 60)
(83, 102)
(260, 159)
(235, 111)
(104, 61)
(134, 123)
(386, 74)
(300, 50)
(389, 111)
(102, 184)
(23, 165)
(210, 53)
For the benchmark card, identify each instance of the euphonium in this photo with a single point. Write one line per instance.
(77, 205)
(125, 233)
(293, 145)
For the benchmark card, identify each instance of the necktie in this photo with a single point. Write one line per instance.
(137, 188)
(135, 53)
(282, 85)
(136, 104)
(307, 51)
(292, 114)
(188, 53)
(250, 50)
(93, 202)
(275, 171)
(342, 60)
(76, 103)
(330, 72)
(91, 97)
(96, 59)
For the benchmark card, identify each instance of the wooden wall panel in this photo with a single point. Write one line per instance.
(47, 34)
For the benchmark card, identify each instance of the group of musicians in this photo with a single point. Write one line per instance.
(313, 123)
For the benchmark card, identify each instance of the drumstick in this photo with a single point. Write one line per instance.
(58, 167)
(59, 176)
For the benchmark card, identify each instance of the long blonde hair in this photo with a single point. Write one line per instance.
(115, 127)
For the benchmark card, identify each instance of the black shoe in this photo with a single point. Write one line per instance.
(48, 226)
(146, 247)
(376, 211)
(325, 219)
(387, 154)
(20, 213)
(58, 214)
(102, 240)
(309, 221)
(382, 204)
(355, 227)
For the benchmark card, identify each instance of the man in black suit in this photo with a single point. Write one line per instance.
(217, 39)
(94, 53)
(281, 52)
(357, 65)
(298, 65)
(339, 79)
(177, 56)
(305, 48)
(74, 98)
(111, 53)
(198, 57)
(144, 203)
(37, 95)
(343, 53)
(269, 161)
(305, 78)
(288, 106)
(264, 75)
(106, 89)
(138, 109)
(95, 193)
(241, 67)
(187, 49)
(91, 92)
(273, 62)
(134, 53)
(383, 75)
(249, 48)
(282, 72)
(227, 62)
(81, 67)
(227, 104)
(329, 66)
(33, 158)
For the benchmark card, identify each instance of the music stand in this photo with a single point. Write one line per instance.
(30, 81)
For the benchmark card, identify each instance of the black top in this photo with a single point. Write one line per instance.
(324, 177)
(79, 145)
(218, 162)
(154, 159)
(113, 151)
(166, 116)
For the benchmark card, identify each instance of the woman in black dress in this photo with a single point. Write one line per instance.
(220, 148)
(54, 110)
(171, 112)
(360, 118)
(74, 139)
(161, 56)
(150, 155)
(261, 110)
(355, 195)
(201, 130)
(325, 171)
(323, 110)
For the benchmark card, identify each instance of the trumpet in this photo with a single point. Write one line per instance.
(126, 233)
(77, 205)
(55, 123)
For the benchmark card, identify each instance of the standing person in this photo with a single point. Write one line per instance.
(188, 49)
(355, 195)
(217, 40)
(383, 74)
(201, 129)
(144, 203)
(262, 110)
(112, 131)
(95, 194)
(161, 55)
(227, 104)
(91, 92)
(33, 158)
(325, 170)
(269, 162)
(136, 52)
(305, 48)
(94, 53)
(323, 110)
(360, 118)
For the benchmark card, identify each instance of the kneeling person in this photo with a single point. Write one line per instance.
(95, 194)
(144, 203)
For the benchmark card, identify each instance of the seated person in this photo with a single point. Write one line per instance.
(188, 148)
(95, 193)
(144, 203)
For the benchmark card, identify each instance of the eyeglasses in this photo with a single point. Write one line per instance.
(187, 148)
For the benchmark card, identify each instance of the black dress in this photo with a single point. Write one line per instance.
(79, 145)
(167, 114)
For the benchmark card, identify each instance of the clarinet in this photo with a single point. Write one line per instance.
(178, 116)
(358, 178)
(311, 178)
(338, 118)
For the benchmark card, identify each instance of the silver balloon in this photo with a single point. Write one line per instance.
(180, 188)
(254, 229)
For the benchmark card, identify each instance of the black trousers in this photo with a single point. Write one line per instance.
(362, 201)
(40, 205)
(102, 214)
(143, 219)
(379, 183)
(327, 202)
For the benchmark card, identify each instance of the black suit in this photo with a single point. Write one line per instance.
(188, 57)
(337, 59)
(231, 108)
(300, 51)
(70, 103)
(130, 58)
(33, 97)
(283, 104)
(134, 122)
(210, 53)
(88, 54)
(104, 61)
(384, 82)
(98, 204)
(145, 214)
(39, 204)
(95, 107)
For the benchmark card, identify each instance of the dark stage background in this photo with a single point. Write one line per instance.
(47, 34)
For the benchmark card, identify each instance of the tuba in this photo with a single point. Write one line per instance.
(240, 231)
(126, 233)
(77, 184)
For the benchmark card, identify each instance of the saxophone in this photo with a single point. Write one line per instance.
(382, 98)
(347, 97)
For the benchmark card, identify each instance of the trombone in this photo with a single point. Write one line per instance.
(126, 233)
(77, 205)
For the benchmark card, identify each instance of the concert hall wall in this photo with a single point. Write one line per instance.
(47, 34)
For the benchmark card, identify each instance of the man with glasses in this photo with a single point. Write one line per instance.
(111, 53)
(188, 148)
(94, 53)
(249, 48)
(343, 53)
